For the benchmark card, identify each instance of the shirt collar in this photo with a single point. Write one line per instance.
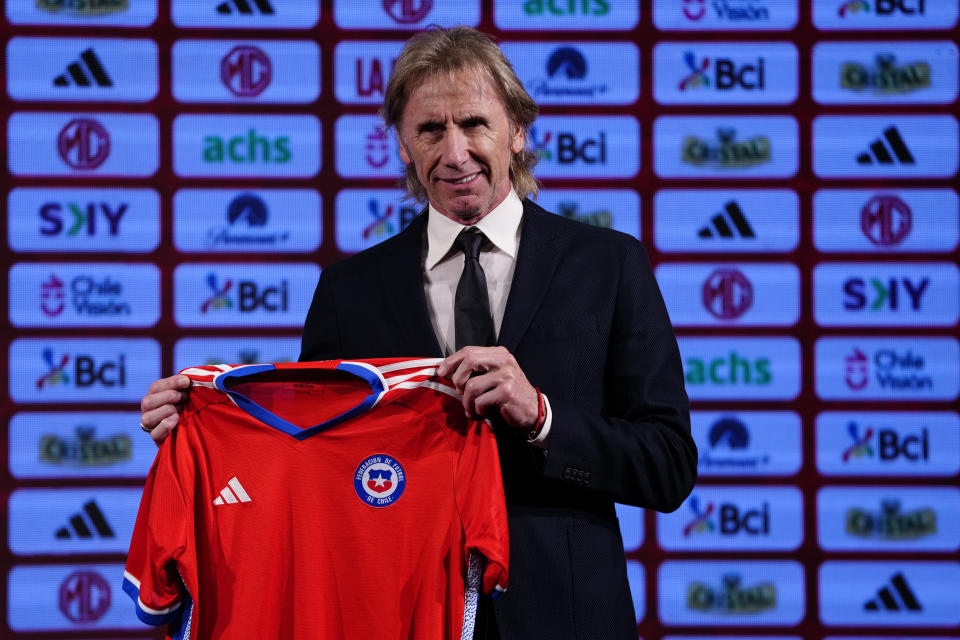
(501, 226)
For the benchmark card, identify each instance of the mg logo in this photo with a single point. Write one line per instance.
(727, 294)
(84, 596)
(407, 11)
(246, 71)
(886, 220)
(83, 143)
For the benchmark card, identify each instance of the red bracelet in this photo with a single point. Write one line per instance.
(541, 416)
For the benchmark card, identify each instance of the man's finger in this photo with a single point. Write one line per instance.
(170, 382)
(162, 430)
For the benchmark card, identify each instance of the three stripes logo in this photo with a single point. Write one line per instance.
(720, 225)
(84, 72)
(895, 596)
(879, 152)
(80, 526)
(232, 493)
(245, 7)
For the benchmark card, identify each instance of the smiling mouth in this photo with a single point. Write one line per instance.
(463, 180)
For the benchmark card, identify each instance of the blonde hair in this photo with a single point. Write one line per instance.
(440, 51)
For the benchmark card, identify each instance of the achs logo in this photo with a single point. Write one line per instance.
(890, 445)
(727, 294)
(894, 596)
(879, 152)
(886, 220)
(886, 77)
(599, 218)
(567, 62)
(379, 481)
(81, 72)
(729, 370)
(83, 143)
(720, 225)
(246, 71)
(56, 371)
(52, 297)
(698, 72)
(84, 7)
(407, 11)
(541, 145)
(857, 370)
(86, 524)
(853, 7)
(85, 450)
(728, 152)
(890, 523)
(731, 597)
(701, 522)
(219, 299)
(251, 148)
(245, 7)
(84, 596)
(378, 147)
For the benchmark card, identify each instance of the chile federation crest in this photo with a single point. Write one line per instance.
(379, 480)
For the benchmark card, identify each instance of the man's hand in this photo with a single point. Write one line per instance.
(160, 408)
(491, 382)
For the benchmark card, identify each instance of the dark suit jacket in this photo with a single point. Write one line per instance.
(587, 324)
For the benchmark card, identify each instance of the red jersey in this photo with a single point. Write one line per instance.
(337, 499)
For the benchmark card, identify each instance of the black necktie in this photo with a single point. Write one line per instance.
(471, 307)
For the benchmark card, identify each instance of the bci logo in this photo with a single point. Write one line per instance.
(883, 7)
(72, 218)
(87, 371)
(885, 445)
(722, 73)
(728, 519)
(569, 148)
(250, 296)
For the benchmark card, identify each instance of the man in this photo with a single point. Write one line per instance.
(585, 382)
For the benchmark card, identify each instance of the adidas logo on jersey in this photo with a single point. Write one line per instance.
(232, 493)
(720, 226)
(887, 597)
(80, 528)
(879, 153)
(245, 7)
(78, 71)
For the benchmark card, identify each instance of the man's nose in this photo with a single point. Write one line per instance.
(456, 148)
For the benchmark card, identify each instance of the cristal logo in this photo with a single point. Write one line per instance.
(886, 220)
(890, 523)
(218, 299)
(52, 296)
(378, 147)
(407, 11)
(83, 143)
(246, 71)
(56, 370)
(599, 218)
(89, 8)
(732, 598)
(890, 445)
(729, 153)
(857, 370)
(85, 450)
(727, 294)
(694, 9)
(698, 72)
(84, 596)
(886, 77)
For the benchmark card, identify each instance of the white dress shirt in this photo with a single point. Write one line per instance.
(443, 264)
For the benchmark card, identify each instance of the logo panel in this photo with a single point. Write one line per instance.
(636, 576)
(78, 445)
(901, 594)
(71, 294)
(725, 146)
(730, 593)
(577, 73)
(405, 14)
(609, 208)
(366, 217)
(112, 13)
(894, 443)
(906, 294)
(255, 221)
(754, 294)
(884, 14)
(747, 443)
(741, 368)
(725, 73)
(82, 69)
(246, 14)
(82, 370)
(729, 15)
(362, 69)
(887, 220)
(734, 518)
(221, 146)
(586, 146)
(590, 15)
(104, 220)
(77, 145)
(631, 526)
(191, 352)
(897, 146)
(887, 368)
(365, 149)
(243, 295)
(246, 71)
(897, 519)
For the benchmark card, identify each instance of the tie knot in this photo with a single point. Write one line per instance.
(469, 242)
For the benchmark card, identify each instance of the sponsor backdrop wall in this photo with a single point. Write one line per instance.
(178, 172)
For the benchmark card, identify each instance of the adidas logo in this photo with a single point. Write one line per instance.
(881, 154)
(232, 493)
(887, 601)
(244, 6)
(79, 69)
(720, 225)
(80, 528)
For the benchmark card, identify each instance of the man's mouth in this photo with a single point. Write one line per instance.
(464, 179)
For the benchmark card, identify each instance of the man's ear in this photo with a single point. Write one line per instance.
(401, 147)
(516, 142)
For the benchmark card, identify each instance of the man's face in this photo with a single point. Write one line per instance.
(458, 138)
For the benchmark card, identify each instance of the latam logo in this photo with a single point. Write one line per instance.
(724, 15)
(874, 73)
(362, 69)
(404, 14)
(895, 443)
(84, 295)
(734, 518)
(278, 146)
(365, 149)
(747, 294)
(739, 368)
(886, 221)
(190, 352)
(82, 69)
(887, 368)
(115, 13)
(82, 369)
(884, 14)
(249, 71)
(882, 594)
(886, 294)
(547, 15)
(581, 73)
(586, 146)
(246, 14)
(103, 220)
(365, 217)
(241, 295)
(892, 519)
(259, 221)
(898, 146)
(66, 144)
(608, 208)
(725, 73)
(730, 593)
(747, 443)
